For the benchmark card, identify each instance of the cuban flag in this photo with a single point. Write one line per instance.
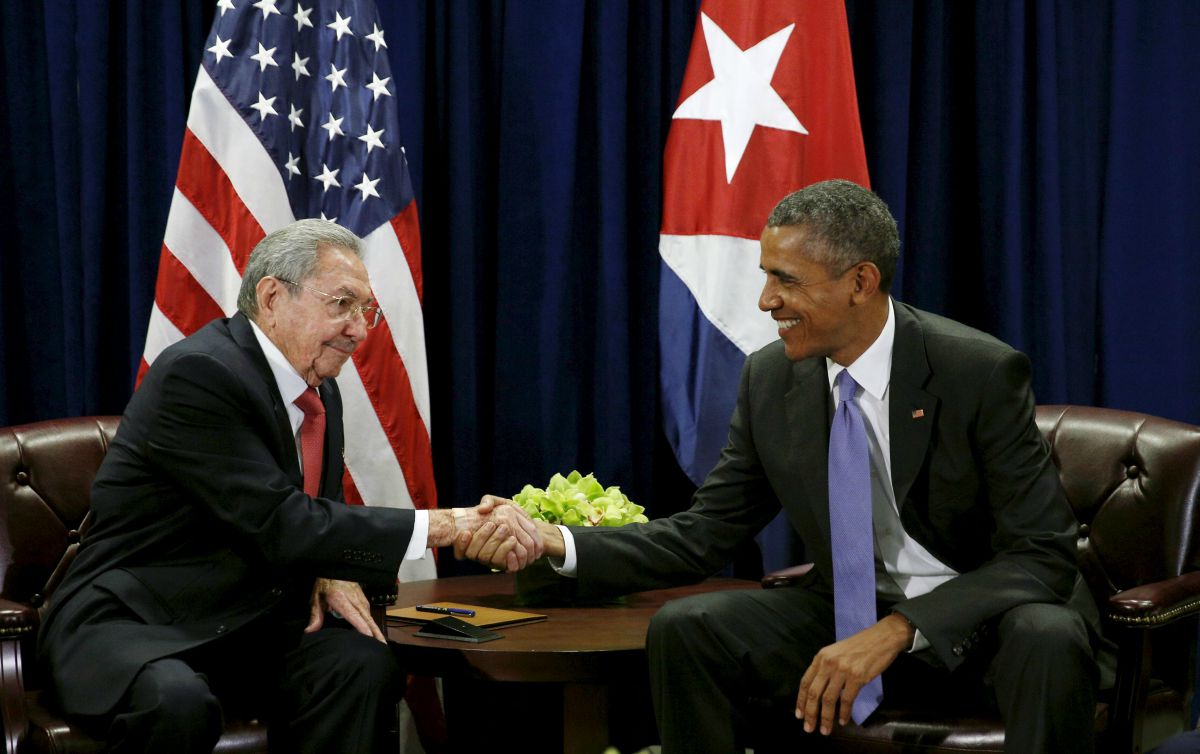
(767, 106)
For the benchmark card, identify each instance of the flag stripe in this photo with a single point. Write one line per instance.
(385, 379)
(160, 333)
(203, 252)
(229, 139)
(408, 232)
(367, 448)
(723, 276)
(204, 183)
(385, 260)
(180, 298)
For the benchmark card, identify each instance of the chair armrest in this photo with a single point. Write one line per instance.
(785, 576)
(17, 619)
(1156, 604)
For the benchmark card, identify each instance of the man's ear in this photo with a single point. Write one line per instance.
(866, 281)
(269, 292)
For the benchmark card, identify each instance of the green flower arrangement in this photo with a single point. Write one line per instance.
(577, 500)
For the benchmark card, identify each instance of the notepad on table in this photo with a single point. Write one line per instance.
(488, 617)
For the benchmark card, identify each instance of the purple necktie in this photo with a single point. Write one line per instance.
(851, 532)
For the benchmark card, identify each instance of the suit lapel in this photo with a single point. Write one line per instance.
(808, 407)
(912, 410)
(243, 335)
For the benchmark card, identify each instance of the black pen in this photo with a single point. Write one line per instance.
(446, 610)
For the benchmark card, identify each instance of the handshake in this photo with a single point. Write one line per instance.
(496, 533)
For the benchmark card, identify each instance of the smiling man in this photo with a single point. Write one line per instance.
(903, 449)
(219, 540)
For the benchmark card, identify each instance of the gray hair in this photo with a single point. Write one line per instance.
(853, 224)
(290, 253)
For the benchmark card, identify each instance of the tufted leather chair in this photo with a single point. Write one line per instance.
(1134, 483)
(46, 472)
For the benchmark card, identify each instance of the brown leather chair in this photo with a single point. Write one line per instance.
(46, 472)
(1134, 482)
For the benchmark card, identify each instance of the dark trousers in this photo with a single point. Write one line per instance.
(715, 656)
(333, 690)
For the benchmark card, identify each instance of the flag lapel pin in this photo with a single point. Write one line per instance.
(918, 413)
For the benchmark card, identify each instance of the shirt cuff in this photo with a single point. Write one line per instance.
(420, 536)
(568, 566)
(919, 641)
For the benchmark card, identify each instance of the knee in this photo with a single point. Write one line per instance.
(676, 620)
(1053, 634)
(176, 699)
(372, 663)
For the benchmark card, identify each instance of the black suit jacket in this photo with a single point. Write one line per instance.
(199, 522)
(972, 475)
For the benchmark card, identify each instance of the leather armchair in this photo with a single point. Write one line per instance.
(46, 473)
(1134, 483)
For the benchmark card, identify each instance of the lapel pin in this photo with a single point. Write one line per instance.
(918, 413)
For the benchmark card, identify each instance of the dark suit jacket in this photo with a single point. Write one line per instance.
(973, 481)
(199, 522)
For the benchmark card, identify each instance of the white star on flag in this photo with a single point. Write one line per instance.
(376, 36)
(341, 26)
(740, 94)
(367, 187)
(300, 66)
(378, 86)
(371, 138)
(225, 5)
(221, 49)
(336, 77)
(263, 106)
(328, 178)
(264, 57)
(291, 165)
(267, 7)
(301, 15)
(294, 117)
(334, 127)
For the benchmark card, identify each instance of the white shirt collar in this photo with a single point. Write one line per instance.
(873, 369)
(291, 385)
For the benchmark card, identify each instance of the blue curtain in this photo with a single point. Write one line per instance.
(1041, 158)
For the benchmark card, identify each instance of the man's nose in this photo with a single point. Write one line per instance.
(769, 298)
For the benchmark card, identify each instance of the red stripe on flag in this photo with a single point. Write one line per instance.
(385, 379)
(142, 369)
(210, 191)
(408, 232)
(350, 490)
(180, 298)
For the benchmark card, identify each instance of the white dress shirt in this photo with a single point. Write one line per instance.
(291, 386)
(904, 569)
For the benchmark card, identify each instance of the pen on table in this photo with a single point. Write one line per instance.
(446, 610)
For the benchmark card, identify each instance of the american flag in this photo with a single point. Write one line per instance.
(294, 115)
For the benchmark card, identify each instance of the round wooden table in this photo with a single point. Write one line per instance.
(587, 657)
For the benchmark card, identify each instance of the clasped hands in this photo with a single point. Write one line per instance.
(496, 533)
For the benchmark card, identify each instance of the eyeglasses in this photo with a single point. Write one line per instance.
(344, 308)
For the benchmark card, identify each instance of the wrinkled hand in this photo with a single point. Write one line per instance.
(346, 598)
(840, 670)
(504, 537)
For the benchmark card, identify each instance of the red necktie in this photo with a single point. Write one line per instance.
(312, 439)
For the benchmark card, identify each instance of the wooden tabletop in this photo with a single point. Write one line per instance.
(573, 645)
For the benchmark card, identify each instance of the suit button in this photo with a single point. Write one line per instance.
(276, 592)
(220, 629)
(957, 650)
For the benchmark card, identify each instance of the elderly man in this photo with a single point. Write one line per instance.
(903, 448)
(219, 538)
